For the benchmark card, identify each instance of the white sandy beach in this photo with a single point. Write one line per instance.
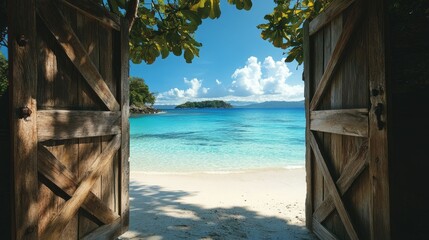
(263, 204)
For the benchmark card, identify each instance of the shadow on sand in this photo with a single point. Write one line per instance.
(159, 214)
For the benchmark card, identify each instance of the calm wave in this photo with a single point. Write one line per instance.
(216, 140)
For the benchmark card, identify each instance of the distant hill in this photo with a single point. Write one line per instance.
(205, 104)
(276, 104)
(164, 106)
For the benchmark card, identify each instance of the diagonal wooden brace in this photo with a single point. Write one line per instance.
(58, 174)
(70, 208)
(351, 172)
(332, 65)
(345, 218)
(63, 32)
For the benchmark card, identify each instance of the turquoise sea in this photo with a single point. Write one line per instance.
(217, 140)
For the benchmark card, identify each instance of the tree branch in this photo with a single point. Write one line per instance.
(131, 14)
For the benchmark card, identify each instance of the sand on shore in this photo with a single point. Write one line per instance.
(262, 204)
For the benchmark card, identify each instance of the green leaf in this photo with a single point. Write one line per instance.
(247, 4)
(192, 16)
(177, 50)
(214, 9)
(188, 56)
(164, 52)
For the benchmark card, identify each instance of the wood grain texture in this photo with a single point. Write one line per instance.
(351, 172)
(74, 49)
(59, 175)
(352, 122)
(336, 141)
(339, 205)
(125, 126)
(92, 10)
(108, 70)
(23, 79)
(322, 232)
(308, 166)
(65, 124)
(336, 100)
(325, 17)
(70, 208)
(337, 53)
(109, 231)
(89, 148)
(378, 138)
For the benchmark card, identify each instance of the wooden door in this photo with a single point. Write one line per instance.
(69, 119)
(346, 137)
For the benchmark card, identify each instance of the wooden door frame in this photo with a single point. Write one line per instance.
(378, 131)
(23, 137)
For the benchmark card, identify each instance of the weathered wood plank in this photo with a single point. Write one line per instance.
(107, 69)
(342, 42)
(70, 208)
(51, 168)
(336, 98)
(56, 90)
(337, 157)
(85, 31)
(74, 49)
(322, 232)
(125, 126)
(47, 204)
(308, 166)
(89, 148)
(352, 122)
(378, 132)
(325, 17)
(67, 151)
(23, 72)
(94, 11)
(356, 95)
(332, 188)
(65, 124)
(109, 231)
(351, 172)
(47, 69)
(325, 138)
(316, 73)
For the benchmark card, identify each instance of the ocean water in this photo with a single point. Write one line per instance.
(217, 140)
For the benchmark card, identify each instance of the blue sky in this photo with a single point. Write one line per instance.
(235, 64)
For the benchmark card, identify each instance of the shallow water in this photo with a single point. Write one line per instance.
(217, 140)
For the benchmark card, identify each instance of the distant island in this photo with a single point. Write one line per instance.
(205, 104)
(275, 104)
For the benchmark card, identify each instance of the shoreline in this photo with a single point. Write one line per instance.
(218, 172)
(255, 204)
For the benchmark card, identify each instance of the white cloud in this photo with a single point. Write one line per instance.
(195, 86)
(254, 82)
(248, 79)
(257, 79)
(175, 95)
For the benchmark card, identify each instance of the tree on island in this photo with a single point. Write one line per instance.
(140, 96)
(205, 104)
(139, 93)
